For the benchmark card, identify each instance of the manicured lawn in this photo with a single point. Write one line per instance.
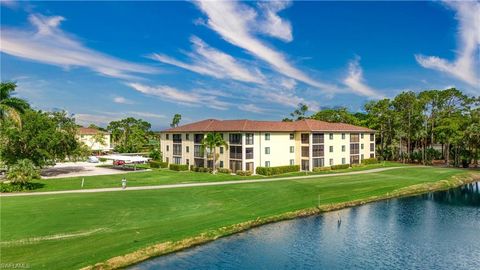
(70, 231)
(163, 176)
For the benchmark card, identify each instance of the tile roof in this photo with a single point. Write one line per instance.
(210, 125)
(89, 131)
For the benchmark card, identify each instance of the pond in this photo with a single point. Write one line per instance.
(439, 230)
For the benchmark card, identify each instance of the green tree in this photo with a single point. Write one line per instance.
(23, 172)
(11, 107)
(211, 141)
(44, 139)
(381, 117)
(176, 120)
(336, 115)
(298, 114)
(129, 135)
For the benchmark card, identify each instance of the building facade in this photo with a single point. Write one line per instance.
(96, 140)
(308, 143)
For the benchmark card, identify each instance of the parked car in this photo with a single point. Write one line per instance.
(93, 159)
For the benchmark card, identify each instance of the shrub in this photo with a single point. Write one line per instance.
(224, 170)
(155, 154)
(321, 169)
(158, 164)
(277, 170)
(17, 187)
(23, 171)
(102, 159)
(178, 167)
(369, 161)
(340, 166)
(243, 173)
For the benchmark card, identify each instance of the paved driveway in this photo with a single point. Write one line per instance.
(73, 169)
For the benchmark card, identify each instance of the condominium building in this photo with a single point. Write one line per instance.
(308, 143)
(96, 140)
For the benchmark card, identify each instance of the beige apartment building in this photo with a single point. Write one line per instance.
(96, 140)
(308, 143)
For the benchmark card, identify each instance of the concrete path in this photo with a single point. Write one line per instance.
(222, 183)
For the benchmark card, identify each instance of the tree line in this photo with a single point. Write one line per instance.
(416, 127)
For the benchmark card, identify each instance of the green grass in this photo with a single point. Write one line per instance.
(117, 223)
(164, 176)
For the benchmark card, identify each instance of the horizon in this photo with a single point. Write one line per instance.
(257, 63)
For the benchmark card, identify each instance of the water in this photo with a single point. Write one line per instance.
(439, 230)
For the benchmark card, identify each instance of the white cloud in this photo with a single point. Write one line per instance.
(9, 4)
(236, 22)
(466, 66)
(47, 43)
(355, 80)
(147, 114)
(252, 108)
(290, 100)
(209, 61)
(122, 100)
(273, 25)
(288, 83)
(174, 95)
(86, 119)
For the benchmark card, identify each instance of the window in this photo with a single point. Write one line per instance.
(331, 136)
(236, 152)
(249, 166)
(317, 138)
(343, 160)
(305, 164)
(305, 138)
(305, 151)
(166, 159)
(221, 163)
(267, 150)
(249, 153)
(249, 138)
(199, 162)
(177, 138)
(187, 136)
(361, 136)
(292, 162)
(354, 159)
(292, 136)
(168, 136)
(197, 138)
(187, 149)
(343, 136)
(372, 147)
(361, 146)
(318, 162)
(292, 149)
(317, 150)
(267, 163)
(330, 149)
(372, 155)
(331, 161)
(354, 148)
(267, 136)
(177, 160)
(235, 138)
(221, 149)
(372, 137)
(177, 149)
(361, 157)
(343, 148)
(168, 148)
(354, 137)
(198, 151)
(188, 161)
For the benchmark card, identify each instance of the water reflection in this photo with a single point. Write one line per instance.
(439, 230)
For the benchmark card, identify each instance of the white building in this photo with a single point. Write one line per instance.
(308, 143)
(96, 140)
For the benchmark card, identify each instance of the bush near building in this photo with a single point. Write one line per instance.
(178, 167)
(243, 173)
(321, 169)
(224, 170)
(199, 169)
(369, 161)
(340, 166)
(277, 170)
(158, 164)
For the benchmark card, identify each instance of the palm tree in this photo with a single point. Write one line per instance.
(11, 107)
(211, 141)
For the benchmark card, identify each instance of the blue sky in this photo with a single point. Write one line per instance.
(103, 61)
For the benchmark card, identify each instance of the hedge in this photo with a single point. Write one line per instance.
(321, 169)
(277, 170)
(199, 169)
(178, 167)
(224, 170)
(370, 161)
(340, 166)
(158, 164)
(243, 173)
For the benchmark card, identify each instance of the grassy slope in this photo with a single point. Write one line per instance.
(131, 220)
(161, 177)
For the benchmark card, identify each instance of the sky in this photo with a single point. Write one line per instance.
(103, 61)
